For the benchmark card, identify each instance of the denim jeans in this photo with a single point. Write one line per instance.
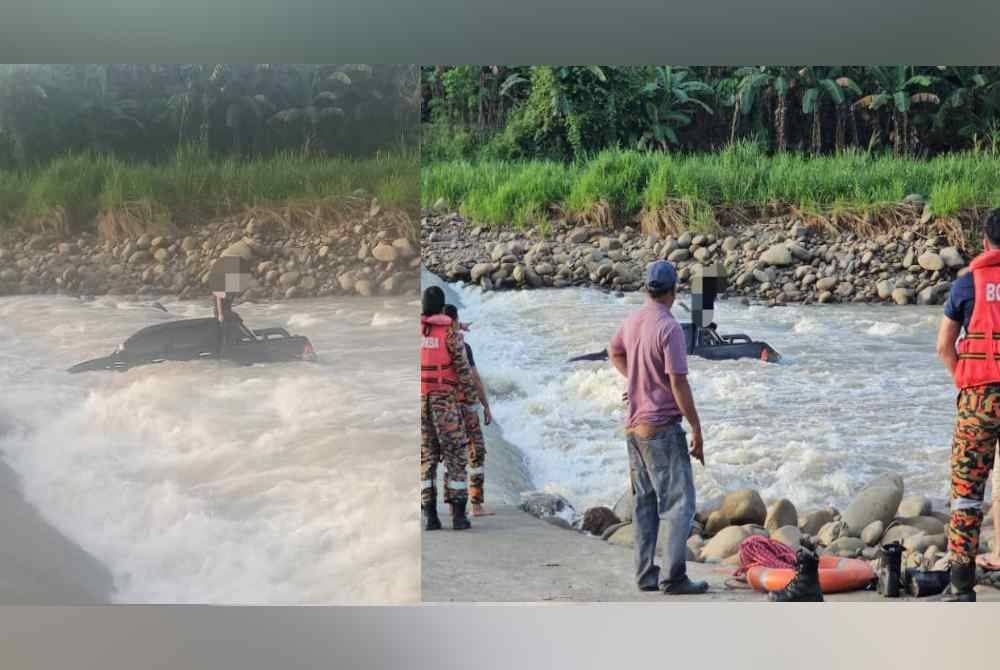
(663, 492)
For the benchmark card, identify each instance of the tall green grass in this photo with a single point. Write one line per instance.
(492, 192)
(193, 185)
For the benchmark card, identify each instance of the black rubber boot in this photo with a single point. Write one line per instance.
(458, 519)
(431, 520)
(963, 584)
(804, 587)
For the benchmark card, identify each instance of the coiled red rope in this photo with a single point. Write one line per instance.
(765, 552)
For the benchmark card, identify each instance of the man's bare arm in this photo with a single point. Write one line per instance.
(619, 360)
(685, 401)
(947, 336)
(481, 392)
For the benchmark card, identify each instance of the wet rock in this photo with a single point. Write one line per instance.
(952, 258)
(831, 532)
(847, 547)
(480, 270)
(898, 533)
(902, 296)
(928, 524)
(920, 542)
(781, 513)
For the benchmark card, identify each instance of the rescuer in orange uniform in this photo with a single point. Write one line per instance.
(975, 366)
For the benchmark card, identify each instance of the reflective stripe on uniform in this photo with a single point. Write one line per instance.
(457, 486)
(426, 484)
(475, 471)
(966, 503)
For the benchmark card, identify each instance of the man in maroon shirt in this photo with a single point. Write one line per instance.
(650, 351)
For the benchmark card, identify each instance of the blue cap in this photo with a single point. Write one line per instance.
(661, 276)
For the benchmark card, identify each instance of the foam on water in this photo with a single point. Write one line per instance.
(859, 392)
(206, 482)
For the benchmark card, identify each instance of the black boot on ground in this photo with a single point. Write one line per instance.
(804, 587)
(431, 520)
(963, 584)
(458, 519)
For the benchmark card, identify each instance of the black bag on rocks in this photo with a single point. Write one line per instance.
(923, 583)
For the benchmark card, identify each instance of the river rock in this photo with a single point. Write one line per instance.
(930, 261)
(920, 542)
(872, 533)
(716, 521)
(364, 287)
(877, 501)
(241, 249)
(781, 513)
(742, 507)
(902, 296)
(847, 547)
(724, 544)
(952, 258)
(928, 524)
(788, 535)
(812, 522)
(386, 253)
(480, 270)
(898, 533)
(914, 505)
(884, 289)
(827, 283)
(831, 532)
(404, 248)
(778, 255)
(597, 519)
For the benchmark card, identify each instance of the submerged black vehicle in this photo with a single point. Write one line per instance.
(196, 339)
(707, 343)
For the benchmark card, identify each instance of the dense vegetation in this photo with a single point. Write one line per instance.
(619, 185)
(185, 142)
(562, 113)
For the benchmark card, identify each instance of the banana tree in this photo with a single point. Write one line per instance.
(671, 102)
(821, 84)
(898, 89)
(971, 103)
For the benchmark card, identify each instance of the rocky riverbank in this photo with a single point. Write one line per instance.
(368, 254)
(878, 514)
(776, 261)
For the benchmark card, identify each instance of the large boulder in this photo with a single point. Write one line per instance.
(914, 506)
(878, 501)
(928, 524)
(726, 543)
(788, 535)
(930, 261)
(742, 507)
(781, 513)
(922, 541)
(812, 522)
(716, 521)
(597, 519)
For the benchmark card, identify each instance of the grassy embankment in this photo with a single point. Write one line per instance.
(670, 193)
(95, 193)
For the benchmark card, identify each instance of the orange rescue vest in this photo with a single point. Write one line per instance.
(437, 370)
(979, 349)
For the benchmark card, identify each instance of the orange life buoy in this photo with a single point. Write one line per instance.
(836, 575)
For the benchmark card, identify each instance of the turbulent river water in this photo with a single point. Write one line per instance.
(207, 482)
(859, 392)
